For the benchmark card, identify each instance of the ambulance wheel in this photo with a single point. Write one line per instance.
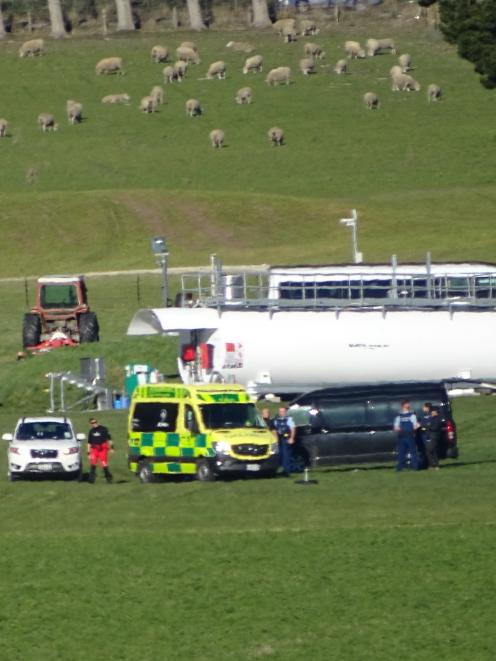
(204, 471)
(145, 473)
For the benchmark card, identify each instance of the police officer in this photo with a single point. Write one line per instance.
(99, 445)
(406, 425)
(284, 430)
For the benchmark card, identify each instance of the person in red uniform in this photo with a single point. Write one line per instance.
(99, 445)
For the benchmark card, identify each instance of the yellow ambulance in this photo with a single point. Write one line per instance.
(203, 430)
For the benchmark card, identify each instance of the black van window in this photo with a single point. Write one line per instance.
(155, 416)
(338, 414)
(381, 414)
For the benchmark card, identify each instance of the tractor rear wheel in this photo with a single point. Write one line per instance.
(88, 328)
(31, 330)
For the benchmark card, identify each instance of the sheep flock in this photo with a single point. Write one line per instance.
(185, 62)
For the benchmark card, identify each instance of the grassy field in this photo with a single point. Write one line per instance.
(367, 564)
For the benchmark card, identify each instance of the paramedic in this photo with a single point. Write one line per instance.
(284, 430)
(99, 444)
(406, 425)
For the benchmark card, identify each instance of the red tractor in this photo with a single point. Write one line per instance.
(61, 312)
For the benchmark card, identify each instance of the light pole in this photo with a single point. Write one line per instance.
(353, 223)
(159, 249)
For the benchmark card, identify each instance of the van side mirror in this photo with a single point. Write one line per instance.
(7, 437)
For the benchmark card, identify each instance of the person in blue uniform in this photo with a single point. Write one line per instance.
(406, 425)
(425, 424)
(284, 430)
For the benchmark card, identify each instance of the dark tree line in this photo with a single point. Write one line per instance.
(471, 26)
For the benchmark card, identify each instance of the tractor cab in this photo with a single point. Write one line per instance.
(61, 311)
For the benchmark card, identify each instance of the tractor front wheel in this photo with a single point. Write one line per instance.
(88, 328)
(31, 330)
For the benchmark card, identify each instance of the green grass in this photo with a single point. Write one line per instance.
(367, 564)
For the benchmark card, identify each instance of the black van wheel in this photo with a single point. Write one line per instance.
(299, 461)
(145, 472)
(204, 471)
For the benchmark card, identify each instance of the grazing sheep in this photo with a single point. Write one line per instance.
(46, 122)
(307, 65)
(180, 68)
(193, 107)
(377, 46)
(4, 125)
(434, 92)
(353, 50)
(241, 46)
(74, 111)
(405, 62)
(116, 98)
(169, 74)
(371, 100)
(109, 65)
(217, 138)
(148, 104)
(276, 136)
(404, 83)
(157, 94)
(284, 23)
(160, 54)
(395, 70)
(187, 54)
(314, 50)
(216, 69)
(278, 76)
(244, 95)
(341, 67)
(254, 64)
(289, 35)
(189, 44)
(32, 48)
(308, 27)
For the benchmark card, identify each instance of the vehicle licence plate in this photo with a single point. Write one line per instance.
(45, 467)
(252, 467)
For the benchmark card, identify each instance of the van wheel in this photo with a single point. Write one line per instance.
(299, 461)
(204, 471)
(145, 472)
(13, 477)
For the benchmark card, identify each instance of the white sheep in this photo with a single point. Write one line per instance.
(341, 67)
(189, 44)
(180, 68)
(193, 108)
(160, 54)
(109, 65)
(377, 46)
(353, 50)
(314, 50)
(32, 48)
(46, 122)
(434, 92)
(148, 104)
(244, 95)
(254, 64)
(289, 35)
(169, 74)
(74, 111)
(276, 136)
(308, 27)
(217, 69)
(405, 62)
(4, 125)
(307, 66)
(403, 82)
(280, 75)
(157, 94)
(187, 54)
(395, 70)
(371, 100)
(217, 138)
(116, 98)
(241, 46)
(284, 23)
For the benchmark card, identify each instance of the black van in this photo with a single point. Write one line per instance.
(354, 424)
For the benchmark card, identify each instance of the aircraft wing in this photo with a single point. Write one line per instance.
(161, 321)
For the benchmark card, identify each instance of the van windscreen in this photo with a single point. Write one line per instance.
(154, 416)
